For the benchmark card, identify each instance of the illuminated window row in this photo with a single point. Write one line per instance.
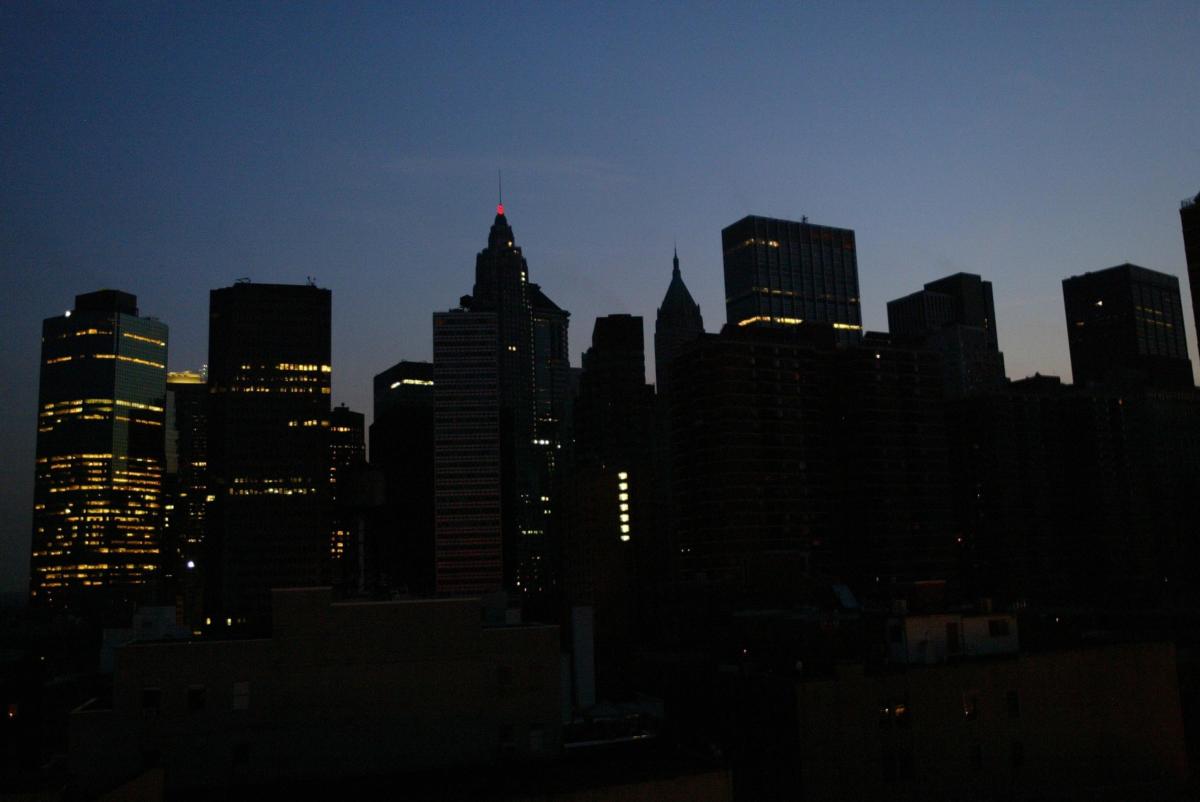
(141, 339)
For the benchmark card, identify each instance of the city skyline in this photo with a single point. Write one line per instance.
(389, 221)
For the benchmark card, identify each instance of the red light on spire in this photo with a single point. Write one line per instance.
(500, 208)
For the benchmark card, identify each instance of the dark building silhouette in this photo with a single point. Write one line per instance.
(613, 532)
(98, 483)
(347, 455)
(1125, 327)
(956, 316)
(790, 449)
(678, 323)
(539, 560)
(186, 486)
(530, 345)
(469, 531)
(269, 384)
(401, 549)
(1074, 494)
(1189, 218)
(781, 273)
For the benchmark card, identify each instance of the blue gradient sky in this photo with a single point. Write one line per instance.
(167, 149)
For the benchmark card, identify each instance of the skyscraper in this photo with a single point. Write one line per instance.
(402, 448)
(956, 316)
(678, 323)
(1125, 327)
(186, 484)
(347, 453)
(531, 378)
(269, 384)
(1189, 218)
(469, 545)
(98, 485)
(612, 529)
(780, 273)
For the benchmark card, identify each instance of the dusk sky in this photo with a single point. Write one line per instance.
(168, 149)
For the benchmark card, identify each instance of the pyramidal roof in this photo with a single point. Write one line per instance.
(677, 299)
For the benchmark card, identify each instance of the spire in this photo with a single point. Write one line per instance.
(678, 300)
(499, 193)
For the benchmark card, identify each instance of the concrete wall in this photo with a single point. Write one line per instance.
(1063, 722)
(340, 690)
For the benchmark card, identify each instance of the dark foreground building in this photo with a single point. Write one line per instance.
(791, 450)
(98, 487)
(1125, 328)
(340, 690)
(269, 458)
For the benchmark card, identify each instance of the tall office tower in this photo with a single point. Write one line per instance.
(530, 342)
(1125, 328)
(470, 547)
(612, 413)
(677, 324)
(269, 384)
(347, 454)
(780, 273)
(185, 483)
(97, 512)
(788, 450)
(1189, 218)
(539, 557)
(401, 543)
(956, 316)
(612, 522)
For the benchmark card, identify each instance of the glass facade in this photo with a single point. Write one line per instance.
(780, 272)
(100, 456)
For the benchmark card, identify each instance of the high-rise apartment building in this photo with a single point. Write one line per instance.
(956, 316)
(1125, 327)
(789, 450)
(98, 489)
(1189, 218)
(781, 273)
(677, 323)
(269, 385)
(531, 375)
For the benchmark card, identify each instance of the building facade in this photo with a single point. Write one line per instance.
(1189, 218)
(676, 324)
(781, 273)
(955, 316)
(531, 376)
(186, 486)
(402, 449)
(469, 543)
(791, 452)
(269, 387)
(98, 485)
(339, 691)
(1125, 327)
